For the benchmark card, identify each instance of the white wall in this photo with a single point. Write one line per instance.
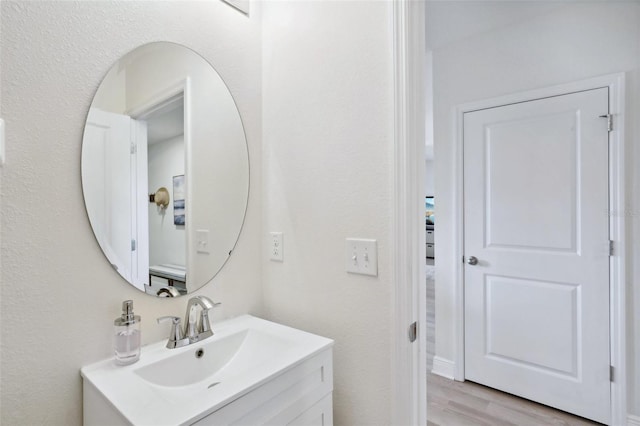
(113, 92)
(429, 167)
(573, 42)
(429, 177)
(59, 295)
(327, 152)
(167, 242)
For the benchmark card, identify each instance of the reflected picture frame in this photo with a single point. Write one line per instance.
(429, 211)
(179, 217)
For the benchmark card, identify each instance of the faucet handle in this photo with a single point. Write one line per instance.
(205, 325)
(174, 320)
(175, 335)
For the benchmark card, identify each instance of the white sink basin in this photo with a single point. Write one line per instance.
(178, 386)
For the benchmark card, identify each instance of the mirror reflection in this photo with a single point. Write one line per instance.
(165, 169)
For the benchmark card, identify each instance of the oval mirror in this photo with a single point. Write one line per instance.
(165, 169)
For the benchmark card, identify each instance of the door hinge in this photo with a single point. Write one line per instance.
(609, 118)
(611, 371)
(413, 332)
(610, 247)
(133, 245)
(134, 147)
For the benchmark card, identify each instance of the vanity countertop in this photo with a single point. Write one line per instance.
(266, 351)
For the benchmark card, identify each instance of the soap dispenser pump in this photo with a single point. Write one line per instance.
(127, 335)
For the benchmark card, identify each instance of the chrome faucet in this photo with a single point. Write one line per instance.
(194, 330)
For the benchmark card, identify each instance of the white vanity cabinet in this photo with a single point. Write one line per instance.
(301, 396)
(250, 372)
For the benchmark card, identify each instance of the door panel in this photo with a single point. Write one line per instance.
(527, 164)
(107, 143)
(118, 210)
(537, 301)
(512, 304)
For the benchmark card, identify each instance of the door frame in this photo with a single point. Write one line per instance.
(409, 300)
(178, 91)
(617, 275)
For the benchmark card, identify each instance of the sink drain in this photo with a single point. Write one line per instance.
(212, 385)
(199, 353)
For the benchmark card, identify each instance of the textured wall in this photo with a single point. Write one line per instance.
(327, 137)
(575, 42)
(59, 296)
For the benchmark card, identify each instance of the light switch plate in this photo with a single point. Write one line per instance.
(202, 241)
(276, 248)
(361, 256)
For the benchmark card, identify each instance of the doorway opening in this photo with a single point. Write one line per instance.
(163, 174)
(471, 59)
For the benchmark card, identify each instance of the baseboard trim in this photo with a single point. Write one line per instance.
(633, 420)
(444, 367)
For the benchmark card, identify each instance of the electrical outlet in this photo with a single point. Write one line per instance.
(276, 249)
(361, 256)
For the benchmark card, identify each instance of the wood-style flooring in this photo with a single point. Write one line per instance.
(466, 403)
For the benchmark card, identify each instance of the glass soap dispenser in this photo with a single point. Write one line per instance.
(127, 335)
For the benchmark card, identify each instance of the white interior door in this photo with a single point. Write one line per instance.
(535, 218)
(106, 147)
(115, 190)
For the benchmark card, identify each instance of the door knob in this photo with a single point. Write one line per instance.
(472, 260)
